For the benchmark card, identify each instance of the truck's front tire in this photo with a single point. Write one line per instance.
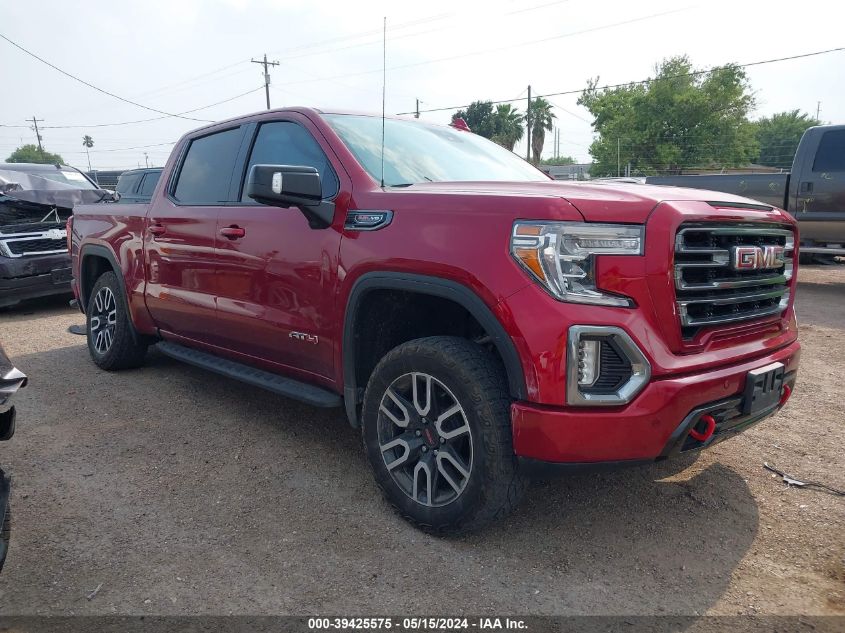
(436, 429)
(111, 340)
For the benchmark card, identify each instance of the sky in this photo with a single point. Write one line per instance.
(180, 56)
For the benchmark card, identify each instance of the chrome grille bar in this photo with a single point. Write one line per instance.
(711, 290)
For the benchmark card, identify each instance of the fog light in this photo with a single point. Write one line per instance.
(624, 371)
(589, 362)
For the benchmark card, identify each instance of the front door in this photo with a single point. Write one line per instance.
(276, 276)
(820, 203)
(181, 234)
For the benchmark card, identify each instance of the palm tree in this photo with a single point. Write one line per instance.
(88, 143)
(542, 120)
(507, 124)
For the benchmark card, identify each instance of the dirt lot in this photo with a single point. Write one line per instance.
(179, 492)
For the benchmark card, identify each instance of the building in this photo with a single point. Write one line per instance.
(579, 171)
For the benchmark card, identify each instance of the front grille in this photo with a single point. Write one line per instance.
(35, 246)
(731, 273)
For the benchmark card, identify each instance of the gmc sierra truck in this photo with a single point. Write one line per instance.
(813, 192)
(475, 319)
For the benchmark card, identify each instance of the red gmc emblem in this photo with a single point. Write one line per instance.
(757, 257)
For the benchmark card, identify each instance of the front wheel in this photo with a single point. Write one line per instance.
(436, 428)
(111, 340)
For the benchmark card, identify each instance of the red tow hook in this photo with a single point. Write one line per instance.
(703, 436)
(784, 396)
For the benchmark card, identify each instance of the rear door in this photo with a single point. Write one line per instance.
(820, 192)
(180, 236)
(277, 279)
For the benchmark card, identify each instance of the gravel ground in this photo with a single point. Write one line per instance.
(179, 492)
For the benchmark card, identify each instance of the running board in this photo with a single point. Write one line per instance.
(257, 377)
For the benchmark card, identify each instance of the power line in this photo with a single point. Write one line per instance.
(158, 118)
(98, 89)
(650, 80)
(497, 49)
(443, 16)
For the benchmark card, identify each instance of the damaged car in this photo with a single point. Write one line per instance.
(35, 204)
(11, 380)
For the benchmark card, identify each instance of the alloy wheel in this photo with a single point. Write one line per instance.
(103, 320)
(425, 439)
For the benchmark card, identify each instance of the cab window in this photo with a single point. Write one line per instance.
(287, 143)
(206, 170)
(831, 153)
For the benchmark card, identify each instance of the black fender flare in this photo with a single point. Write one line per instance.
(98, 250)
(438, 287)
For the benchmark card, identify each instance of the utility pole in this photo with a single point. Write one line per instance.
(557, 142)
(818, 110)
(528, 124)
(618, 157)
(417, 113)
(37, 134)
(266, 64)
(147, 159)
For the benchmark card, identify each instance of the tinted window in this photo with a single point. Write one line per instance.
(127, 182)
(207, 168)
(149, 184)
(286, 143)
(831, 153)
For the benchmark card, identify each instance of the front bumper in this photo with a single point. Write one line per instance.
(655, 425)
(32, 277)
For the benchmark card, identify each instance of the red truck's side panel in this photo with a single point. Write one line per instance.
(276, 295)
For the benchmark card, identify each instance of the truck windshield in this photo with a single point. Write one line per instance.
(417, 152)
(65, 176)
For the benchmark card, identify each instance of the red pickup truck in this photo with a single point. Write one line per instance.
(475, 318)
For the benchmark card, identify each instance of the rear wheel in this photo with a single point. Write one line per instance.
(111, 340)
(436, 428)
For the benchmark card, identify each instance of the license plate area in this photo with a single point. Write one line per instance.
(762, 388)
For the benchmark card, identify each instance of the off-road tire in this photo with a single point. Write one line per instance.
(127, 348)
(477, 381)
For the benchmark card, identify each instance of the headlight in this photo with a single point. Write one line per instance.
(561, 256)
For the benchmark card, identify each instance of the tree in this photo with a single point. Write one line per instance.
(779, 135)
(558, 160)
(31, 154)
(542, 120)
(680, 119)
(479, 118)
(88, 143)
(508, 126)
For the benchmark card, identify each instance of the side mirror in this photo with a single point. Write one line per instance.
(291, 186)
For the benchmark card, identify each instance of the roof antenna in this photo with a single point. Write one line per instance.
(383, 92)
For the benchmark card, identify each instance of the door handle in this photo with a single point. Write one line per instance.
(805, 187)
(232, 232)
(156, 229)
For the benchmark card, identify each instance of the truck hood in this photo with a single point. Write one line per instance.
(596, 201)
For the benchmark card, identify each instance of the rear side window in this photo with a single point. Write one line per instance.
(207, 169)
(149, 184)
(831, 153)
(127, 182)
(287, 143)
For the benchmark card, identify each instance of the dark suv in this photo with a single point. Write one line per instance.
(137, 185)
